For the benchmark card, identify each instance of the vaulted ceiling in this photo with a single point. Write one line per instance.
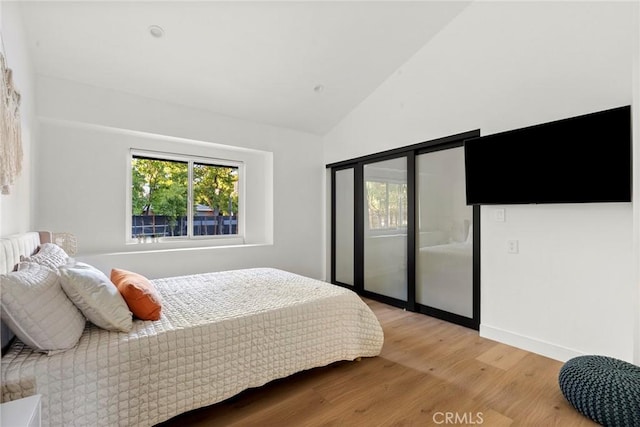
(299, 65)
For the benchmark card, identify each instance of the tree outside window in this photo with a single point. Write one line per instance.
(160, 194)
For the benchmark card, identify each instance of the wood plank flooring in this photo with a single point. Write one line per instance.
(429, 373)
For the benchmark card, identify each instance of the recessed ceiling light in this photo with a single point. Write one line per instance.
(318, 88)
(156, 31)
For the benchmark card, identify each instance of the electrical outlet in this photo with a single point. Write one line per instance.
(512, 246)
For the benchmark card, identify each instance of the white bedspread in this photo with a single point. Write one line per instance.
(220, 333)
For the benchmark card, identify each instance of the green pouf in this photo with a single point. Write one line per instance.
(605, 389)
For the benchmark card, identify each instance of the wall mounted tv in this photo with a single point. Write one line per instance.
(582, 159)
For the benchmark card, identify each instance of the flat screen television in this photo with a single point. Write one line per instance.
(583, 159)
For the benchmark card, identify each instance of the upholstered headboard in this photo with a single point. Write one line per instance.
(11, 249)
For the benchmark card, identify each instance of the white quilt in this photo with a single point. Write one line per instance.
(220, 333)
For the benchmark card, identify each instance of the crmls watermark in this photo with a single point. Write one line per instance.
(458, 418)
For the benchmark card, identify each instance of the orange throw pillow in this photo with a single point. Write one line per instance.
(139, 293)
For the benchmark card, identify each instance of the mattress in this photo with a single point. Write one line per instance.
(220, 333)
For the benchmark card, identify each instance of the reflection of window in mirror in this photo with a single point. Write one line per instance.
(387, 205)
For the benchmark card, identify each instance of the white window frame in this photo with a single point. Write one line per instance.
(190, 160)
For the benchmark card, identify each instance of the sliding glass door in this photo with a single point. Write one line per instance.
(444, 253)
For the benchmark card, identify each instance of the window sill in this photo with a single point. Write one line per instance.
(387, 234)
(161, 247)
(180, 243)
(193, 241)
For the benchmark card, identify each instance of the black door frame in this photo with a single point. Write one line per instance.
(410, 152)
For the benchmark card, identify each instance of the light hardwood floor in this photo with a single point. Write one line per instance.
(429, 373)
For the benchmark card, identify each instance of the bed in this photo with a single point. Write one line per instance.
(219, 333)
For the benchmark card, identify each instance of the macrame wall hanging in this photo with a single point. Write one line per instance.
(10, 130)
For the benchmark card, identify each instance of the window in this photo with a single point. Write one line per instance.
(183, 197)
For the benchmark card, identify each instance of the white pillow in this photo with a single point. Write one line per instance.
(94, 294)
(50, 255)
(37, 310)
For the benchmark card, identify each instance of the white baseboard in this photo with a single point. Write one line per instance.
(533, 345)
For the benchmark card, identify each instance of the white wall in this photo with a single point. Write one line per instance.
(636, 174)
(15, 208)
(103, 186)
(81, 180)
(501, 66)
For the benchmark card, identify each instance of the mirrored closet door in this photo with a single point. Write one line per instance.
(385, 227)
(343, 199)
(444, 253)
(402, 233)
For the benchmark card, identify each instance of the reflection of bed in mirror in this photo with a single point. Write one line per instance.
(385, 262)
(445, 277)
